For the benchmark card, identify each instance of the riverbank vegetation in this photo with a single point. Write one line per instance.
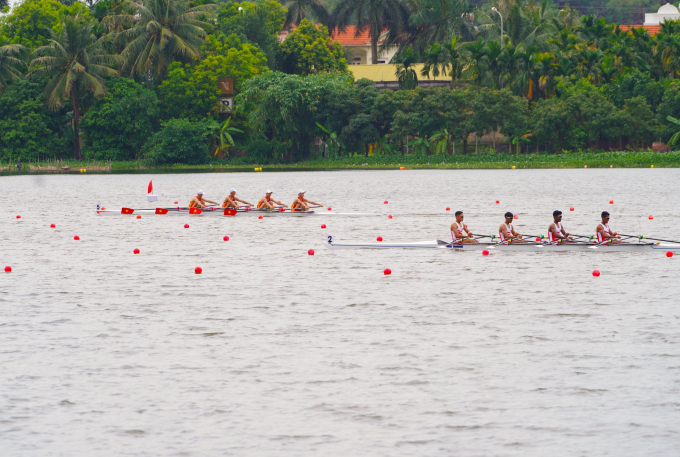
(136, 81)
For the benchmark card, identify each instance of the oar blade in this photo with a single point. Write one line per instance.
(127, 211)
(195, 210)
(230, 212)
(161, 211)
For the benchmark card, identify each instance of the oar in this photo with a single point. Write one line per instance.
(646, 238)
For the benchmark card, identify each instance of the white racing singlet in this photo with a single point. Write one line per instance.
(500, 233)
(454, 233)
(600, 238)
(551, 236)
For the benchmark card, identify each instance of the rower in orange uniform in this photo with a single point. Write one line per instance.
(556, 232)
(300, 202)
(267, 203)
(507, 233)
(459, 231)
(606, 235)
(230, 201)
(199, 202)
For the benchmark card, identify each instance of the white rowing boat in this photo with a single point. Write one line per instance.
(212, 211)
(521, 247)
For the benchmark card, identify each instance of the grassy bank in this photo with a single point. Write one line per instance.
(470, 161)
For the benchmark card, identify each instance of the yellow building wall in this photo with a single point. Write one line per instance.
(387, 72)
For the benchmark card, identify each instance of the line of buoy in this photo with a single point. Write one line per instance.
(226, 238)
(18, 216)
(330, 209)
(260, 216)
(323, 226)
(485, 252)
(379, 238)
(136, 251)
(669, 253)
(389, 217)
(387, 271)
(139, 216)
(448, 209)
(611, 202)
(571, 209)
(310, 252)
(385, 202)
(52, 226)
(198, 270)
(596, 273)
(77, 238)
(8, 269)
(186, 225)
(651, 217)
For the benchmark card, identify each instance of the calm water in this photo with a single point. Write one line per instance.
(274, 352)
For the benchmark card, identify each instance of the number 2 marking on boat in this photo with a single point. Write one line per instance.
(329, 239)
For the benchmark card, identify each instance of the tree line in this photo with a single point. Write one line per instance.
(131, 79)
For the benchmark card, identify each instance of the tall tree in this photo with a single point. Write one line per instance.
(75, 62)
(376, 16)
(159, 31)
(10, 65)
(440, 21)
(305, 9)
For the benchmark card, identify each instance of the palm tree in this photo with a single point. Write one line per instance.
(676, 135)
(376, 16)
(75, 62)
(442, 59)
(158, 32)
(406, 75)
(10, 65)
(305, 9)
(440, 21)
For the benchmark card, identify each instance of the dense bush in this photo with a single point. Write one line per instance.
(117, 126)
(179, 141)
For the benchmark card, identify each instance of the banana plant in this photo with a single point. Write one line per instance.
(383, 147)
(420, 145)
(225, 134)
(442, 139)
(332, 144)
(522, 136)
(676, 136)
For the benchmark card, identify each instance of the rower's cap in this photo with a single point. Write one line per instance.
(509, 214)
(301, 191)
(556, 213)
(200, 192)
(232, 190)
(268, 191)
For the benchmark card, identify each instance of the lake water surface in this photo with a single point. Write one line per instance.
(274, 352)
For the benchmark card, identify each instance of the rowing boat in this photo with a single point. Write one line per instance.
(211, 211)
(520, 247)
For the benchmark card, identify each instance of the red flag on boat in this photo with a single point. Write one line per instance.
(195, 210)
(229, 212)
(161, 211)
(150, 187)
(127, 211)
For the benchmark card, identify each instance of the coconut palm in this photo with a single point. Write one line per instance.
(10, 65)
(158, 32)
(443, 59)
(376, 16)
(75, 63)
(440, 21)
(305, 9)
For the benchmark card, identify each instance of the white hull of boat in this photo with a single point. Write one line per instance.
(519, 247)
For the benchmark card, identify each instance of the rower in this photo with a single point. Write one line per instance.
(605, 234)
(556, 232)
(300, 202)
(266, 202)
(199, 202)
(459, 231)
(230, 201)
(506, 232)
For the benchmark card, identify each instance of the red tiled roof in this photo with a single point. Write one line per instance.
(345, 38)
(652, 29)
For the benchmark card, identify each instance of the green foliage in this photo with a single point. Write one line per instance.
(257, 23)
(191, 91)
(117, 125)
(30, 22)
(179, 141)
(309, 50)
(27, 128)
(11, 66)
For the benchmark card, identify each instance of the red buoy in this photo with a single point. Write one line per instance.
(139, 217)
(596, 273)
(651, 217)
(226, 238)
(136, 251)
(186, 225)
(448, 209)
(611, 202)
(389, 217)
(387, 271)
(485, 252)
(198, 270)
(497, 202)
(385, 202)
(8, 269)
(176, 203)
(329, 208)
(310, 252)
(52, 225)
(516, 216)
(77, 238)
(538, 239)
(18, 216)
(379, 238)
(260, 216)
(323, 225)
(571, 209)
(669, 253)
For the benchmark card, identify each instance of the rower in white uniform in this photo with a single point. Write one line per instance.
(460, 232)
(606, 235)
(507, 233)
(556, 232)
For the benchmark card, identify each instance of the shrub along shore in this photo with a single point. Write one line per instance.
(440, 161)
